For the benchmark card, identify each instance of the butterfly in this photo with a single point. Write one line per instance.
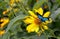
(42, 16)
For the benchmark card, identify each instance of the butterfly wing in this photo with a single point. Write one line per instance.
(42, 18)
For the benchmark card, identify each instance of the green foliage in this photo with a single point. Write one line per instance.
(39, 4)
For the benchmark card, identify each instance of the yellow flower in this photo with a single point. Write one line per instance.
(35, 24)
(4, 21)
(2, 32)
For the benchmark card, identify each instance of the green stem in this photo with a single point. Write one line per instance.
(45, 35)
(52, 32)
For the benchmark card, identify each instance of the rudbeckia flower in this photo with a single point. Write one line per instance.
(3, 22)
(37, 22)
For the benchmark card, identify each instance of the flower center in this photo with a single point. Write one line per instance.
(37, 21)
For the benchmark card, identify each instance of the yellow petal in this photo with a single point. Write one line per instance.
(48, 21)
(42, 29)
(2, 32)
(45, 27)
(32, 28)
(46, 14)
(28, 19)
(36, 29)
(5, 21)
(40, 11)
(32, 14)
(4, 12)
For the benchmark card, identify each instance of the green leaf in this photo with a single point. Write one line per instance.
(54, 14)
(16, 27)
(7, 1)
(6, 36)
(14, 20)
(31, 3)
(58, 37)
(58, 2)
(39, 3)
